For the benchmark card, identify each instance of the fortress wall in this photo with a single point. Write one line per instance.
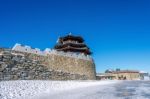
(16, 65)
(72, 65)
(67, 64)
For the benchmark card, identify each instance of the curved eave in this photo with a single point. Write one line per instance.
(76, 38)
(72, 49)
(70, 44)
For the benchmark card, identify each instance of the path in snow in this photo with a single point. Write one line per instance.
(124, 90)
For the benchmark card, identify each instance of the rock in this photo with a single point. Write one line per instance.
(16, 59)
(15, 77)
(2, 67)
(22, 60)
(14, 69)
(10, 66)
(5, 60)
(7, 77)
(24, 74)
(1, 56)
(7, 56)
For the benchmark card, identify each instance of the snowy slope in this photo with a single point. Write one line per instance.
(22, 89)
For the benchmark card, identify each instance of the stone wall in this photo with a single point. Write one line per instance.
(72, 65)
(26, 66)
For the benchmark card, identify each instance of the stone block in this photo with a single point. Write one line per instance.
(5, 60)
(7, 56)
(10, 66)
(16, 59)
(15, 77)
(14, 69)
(7, 77)
(22, 61)
(2, 66)
(1, 57)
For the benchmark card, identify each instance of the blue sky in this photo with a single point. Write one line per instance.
(117, 31)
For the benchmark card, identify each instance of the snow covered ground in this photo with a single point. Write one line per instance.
(74, 89)
(120, 90)
(22, 89)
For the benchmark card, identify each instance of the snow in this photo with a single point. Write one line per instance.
(40, 89)
(28, 89)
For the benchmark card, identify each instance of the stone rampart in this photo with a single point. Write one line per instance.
(16, 65)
